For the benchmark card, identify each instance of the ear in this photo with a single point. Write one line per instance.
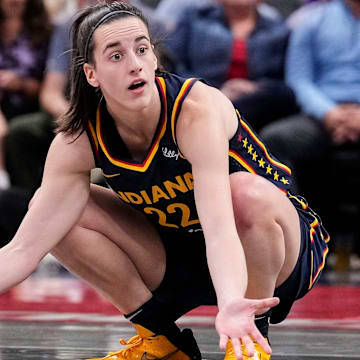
(90, 74)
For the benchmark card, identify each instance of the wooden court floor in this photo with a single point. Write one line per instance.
(59, 317)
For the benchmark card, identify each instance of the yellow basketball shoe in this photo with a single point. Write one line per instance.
(148, 346)
(259, 353)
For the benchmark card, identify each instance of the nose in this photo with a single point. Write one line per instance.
(134, 64)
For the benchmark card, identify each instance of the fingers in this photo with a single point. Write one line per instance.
(262, 342)
(266, 303)
(223, 341)
(237, 348)
(248, 345)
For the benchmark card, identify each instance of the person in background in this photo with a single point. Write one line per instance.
(172, 230)
(323, 70)
(29, 137)
(302, 12)
(239, 50)
(169, 12)
(60, 10)
(25, 32)
(286, 7)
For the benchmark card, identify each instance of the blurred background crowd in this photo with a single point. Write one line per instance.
(291, 67)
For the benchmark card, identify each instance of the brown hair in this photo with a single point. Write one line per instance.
(83, 97)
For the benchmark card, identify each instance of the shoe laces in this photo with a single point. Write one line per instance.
(131, 343)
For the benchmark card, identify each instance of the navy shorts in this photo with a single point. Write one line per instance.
(187, 283)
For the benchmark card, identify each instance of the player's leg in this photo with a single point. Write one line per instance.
(120, 253)
(269, 229)
(115, 249)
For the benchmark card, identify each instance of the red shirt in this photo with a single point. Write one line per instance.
(238, 64)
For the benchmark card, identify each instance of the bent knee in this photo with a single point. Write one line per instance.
(252, 196)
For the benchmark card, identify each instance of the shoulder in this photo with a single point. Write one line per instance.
(203, 97)
(204, 106)
(309, 17)
(206, 11)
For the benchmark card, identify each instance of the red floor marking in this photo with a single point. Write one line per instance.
(69, 295)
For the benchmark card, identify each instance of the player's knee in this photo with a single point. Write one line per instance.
(249, 196)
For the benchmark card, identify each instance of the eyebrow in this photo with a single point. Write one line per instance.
(118, 43)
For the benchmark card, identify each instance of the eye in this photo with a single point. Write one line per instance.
(116, 57)
(142, 50)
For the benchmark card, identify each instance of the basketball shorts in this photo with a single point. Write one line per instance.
(187, 282)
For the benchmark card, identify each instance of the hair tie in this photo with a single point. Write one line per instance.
(102, 20)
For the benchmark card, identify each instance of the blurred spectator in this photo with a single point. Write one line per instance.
(286, 7)
(323, 68)
(302, 12)
(241, 51)
(30, 136)
(169, 12)
(60, 10)
(25, 31)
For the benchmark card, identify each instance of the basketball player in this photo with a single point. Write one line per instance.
(197, 211)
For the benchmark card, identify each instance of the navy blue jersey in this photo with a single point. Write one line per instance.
(161, 185)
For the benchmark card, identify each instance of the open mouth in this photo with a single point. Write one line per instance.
(137, 85)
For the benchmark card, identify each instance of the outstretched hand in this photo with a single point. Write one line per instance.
(235, 321)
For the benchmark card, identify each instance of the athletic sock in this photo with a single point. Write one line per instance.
(262, 323)
(154, 316)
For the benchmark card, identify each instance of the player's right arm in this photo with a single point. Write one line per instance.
(59, 203)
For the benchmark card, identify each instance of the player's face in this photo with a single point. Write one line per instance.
(124, 63)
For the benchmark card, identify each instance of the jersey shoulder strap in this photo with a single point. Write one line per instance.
(177, 89)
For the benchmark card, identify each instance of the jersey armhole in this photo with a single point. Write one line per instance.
(184, 91)
(90, 131)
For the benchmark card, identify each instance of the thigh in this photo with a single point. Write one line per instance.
(112, 227)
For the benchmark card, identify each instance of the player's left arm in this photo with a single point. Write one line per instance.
(207, 121)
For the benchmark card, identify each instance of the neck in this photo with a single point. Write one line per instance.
(140, 123)
(240, 13)
(241, 19)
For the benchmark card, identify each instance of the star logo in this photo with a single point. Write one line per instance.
(245, 142)
(262, 163)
